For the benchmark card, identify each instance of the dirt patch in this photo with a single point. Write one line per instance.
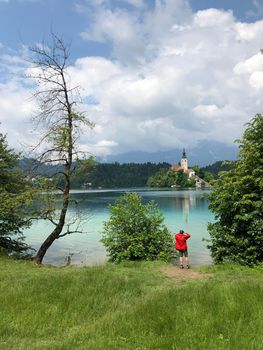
(184, 274)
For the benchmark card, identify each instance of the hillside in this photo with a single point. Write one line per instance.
(129, 306)
(216, 167)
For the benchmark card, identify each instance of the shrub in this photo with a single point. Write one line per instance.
(135, 231)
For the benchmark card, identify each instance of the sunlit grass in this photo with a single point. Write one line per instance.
(128, 306)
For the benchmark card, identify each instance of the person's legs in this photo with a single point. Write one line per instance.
(181, 258)
(186, 259)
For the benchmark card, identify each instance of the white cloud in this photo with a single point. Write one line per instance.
(136, 3)
(175, 77)
(213, 18)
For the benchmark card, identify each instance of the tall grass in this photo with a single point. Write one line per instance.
(128, 306)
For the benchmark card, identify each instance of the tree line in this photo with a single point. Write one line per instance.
(89, 173)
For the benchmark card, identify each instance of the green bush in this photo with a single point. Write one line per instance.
(135, 231)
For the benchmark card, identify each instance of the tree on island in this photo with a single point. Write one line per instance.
(237, 202)
(135, 231)
(170, 178)
(61, 123)
(16, 196)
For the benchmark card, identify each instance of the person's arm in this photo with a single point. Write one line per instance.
(187, 235)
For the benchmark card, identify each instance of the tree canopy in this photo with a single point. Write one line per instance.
(16, 195)
(169, 178)
(237, 202)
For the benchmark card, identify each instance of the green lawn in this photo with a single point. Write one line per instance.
(129, 306)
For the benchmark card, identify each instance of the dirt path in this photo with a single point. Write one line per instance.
(184, 274)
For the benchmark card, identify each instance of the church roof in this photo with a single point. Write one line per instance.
(176, 167)
(189, 170)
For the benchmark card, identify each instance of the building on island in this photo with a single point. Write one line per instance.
(183, 166)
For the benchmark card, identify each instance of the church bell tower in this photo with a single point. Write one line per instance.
(184, 161)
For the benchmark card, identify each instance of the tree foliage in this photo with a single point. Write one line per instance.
(16, 195)
(169, 178)
(110, 175)
(237, 202)
(135, 231)
(215, 168)
(203, 174)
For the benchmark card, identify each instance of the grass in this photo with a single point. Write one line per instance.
(128, 306)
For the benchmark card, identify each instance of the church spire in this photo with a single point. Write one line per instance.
(184, 161)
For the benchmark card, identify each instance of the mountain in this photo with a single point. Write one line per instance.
(205, 153)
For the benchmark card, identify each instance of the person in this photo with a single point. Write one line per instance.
(181, 247)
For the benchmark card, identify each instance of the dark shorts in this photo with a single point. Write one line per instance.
(183, 252)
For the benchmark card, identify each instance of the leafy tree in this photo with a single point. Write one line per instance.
(208, 177)
(16, 196)
(61, 123)
(135, 231)
(236, 201)
(163, 178)
(168, 178)
(82, 172)
(205, 175)
(182, 179)
(198, 171)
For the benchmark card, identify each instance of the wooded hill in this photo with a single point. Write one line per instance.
(110, 175)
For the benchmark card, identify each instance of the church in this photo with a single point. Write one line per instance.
(183, 166)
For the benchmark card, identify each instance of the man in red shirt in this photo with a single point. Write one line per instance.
(181, 247)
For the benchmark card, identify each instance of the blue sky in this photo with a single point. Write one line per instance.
(163, 73)
(30, 20)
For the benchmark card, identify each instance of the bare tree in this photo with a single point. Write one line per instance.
(60, 123)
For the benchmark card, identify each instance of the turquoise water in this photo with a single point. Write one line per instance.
(187, 210)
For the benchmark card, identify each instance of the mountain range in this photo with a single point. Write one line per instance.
(205, 153)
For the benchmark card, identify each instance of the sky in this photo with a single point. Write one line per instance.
(155, 75)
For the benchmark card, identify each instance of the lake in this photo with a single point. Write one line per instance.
(186, 209)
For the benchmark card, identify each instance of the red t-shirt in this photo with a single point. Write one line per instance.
(180, 241)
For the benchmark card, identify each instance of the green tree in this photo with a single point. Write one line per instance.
(16, 195)
(182, 179)
(237, 202)
(135, 231)
(82, 172)
(169, 178)
(163, 178)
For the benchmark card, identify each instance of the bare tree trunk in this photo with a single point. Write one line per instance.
(38, 258)
(62, 123)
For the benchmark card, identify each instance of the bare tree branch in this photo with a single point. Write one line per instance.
(62, 125)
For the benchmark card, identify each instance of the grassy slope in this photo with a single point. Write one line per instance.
(131, 306)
